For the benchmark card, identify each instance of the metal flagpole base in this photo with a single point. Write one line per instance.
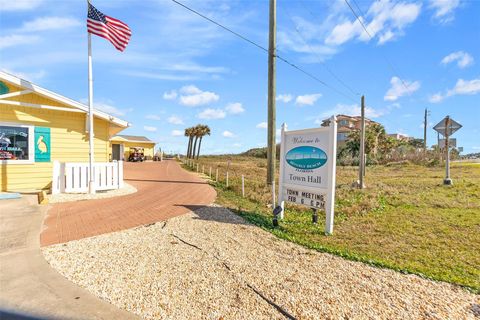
(447, 181)
(91, 187)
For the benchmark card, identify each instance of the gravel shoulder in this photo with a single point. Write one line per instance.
(210, 264)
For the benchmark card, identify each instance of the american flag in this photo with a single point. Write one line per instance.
(117, 32)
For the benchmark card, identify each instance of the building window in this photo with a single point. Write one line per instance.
(344, 123)
(342, 136)
(16, 143)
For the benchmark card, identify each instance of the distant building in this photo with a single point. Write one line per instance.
(122, 145)
(347, 124)
(399, 136)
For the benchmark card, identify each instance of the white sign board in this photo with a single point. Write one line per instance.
(307, 168)
(443, 128)
(451, 142)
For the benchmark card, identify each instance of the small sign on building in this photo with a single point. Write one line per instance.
(307, 169)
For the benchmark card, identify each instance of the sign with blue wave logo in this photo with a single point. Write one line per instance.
(307, 169)
(306, 157)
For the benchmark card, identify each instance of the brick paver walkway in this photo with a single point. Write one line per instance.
(164, 189)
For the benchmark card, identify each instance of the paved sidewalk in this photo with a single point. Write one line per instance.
(29, 287)
(165, 190)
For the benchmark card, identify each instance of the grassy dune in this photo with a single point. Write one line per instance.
(405, 219)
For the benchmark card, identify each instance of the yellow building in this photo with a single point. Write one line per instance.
(38, 126)
(122, 146)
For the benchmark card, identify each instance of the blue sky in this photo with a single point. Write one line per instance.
(180, 70)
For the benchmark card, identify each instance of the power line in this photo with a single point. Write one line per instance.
(323, 64)
(221, 26)
(368, 33)
(264, 49)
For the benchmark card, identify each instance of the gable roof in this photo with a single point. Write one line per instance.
(57, 97)
(121, 137)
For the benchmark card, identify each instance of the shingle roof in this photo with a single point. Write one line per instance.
(134, 138)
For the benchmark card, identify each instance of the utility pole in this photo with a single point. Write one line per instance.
(361, 169)
(425, 131)
(271, 143)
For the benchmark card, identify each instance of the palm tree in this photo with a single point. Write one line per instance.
(204, 130)
(189, 134)
(195, 133)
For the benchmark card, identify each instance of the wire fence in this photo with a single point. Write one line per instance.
(246, 178)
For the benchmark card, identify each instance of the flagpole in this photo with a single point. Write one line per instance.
(91, 183)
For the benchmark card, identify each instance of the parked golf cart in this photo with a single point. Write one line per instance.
(136, 154)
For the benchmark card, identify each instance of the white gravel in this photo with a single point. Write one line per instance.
(212, 265)
(67, 197)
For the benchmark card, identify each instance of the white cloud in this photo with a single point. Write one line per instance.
(262, 125)
(468, 87)
(212, 114)
(463, 59)
(400, 88)
(228, 134)
(16, 39)
(49, 23)
(235, 108)
(8, 5)
(153, 117)
(190, 89)
(193, 96)
(384, 19)
(444, 9)
(344, 32)
(436, 98)
(149, 129)
(285, 98)
(172, 95)
(307, 99)
(173, 119)
(462, 87)
(177, 133)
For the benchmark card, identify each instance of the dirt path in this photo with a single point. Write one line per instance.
(164, 191)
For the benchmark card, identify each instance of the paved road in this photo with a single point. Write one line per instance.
(164, 189)
(29, 287)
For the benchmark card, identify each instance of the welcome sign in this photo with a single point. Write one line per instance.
(307, 168)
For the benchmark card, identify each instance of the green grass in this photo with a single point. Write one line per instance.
(406, 219)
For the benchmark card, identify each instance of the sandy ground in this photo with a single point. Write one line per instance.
(212, 265)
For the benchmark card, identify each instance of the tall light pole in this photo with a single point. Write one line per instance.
(271, 142)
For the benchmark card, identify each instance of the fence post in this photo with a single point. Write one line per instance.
(61, 183)
(227, 178)
(216, 175)
(197, 166)
(120, 173)
(56, 177)
(210, 172)
(243, 186)
(203, 169)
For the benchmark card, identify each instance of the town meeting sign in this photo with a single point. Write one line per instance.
(307, 169)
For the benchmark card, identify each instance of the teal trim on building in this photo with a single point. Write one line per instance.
(3, 88)
(42, 144)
